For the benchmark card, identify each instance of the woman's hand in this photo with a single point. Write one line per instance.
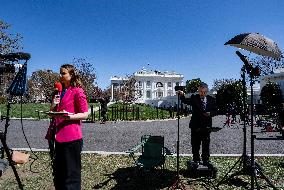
(72, 116)
(55, 101)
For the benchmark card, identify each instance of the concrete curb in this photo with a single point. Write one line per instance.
(124, 153)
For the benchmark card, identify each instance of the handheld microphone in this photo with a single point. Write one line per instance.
(58, 87)
(57, 92)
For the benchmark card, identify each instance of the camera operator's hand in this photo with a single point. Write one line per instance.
(180, 92)
(206, 114)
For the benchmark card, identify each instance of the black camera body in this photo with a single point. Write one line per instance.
(15, 56)
(7, 68)
(93, 100)
(181, 88)
(11, 57)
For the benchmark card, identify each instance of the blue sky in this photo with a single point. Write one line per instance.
(120, 37)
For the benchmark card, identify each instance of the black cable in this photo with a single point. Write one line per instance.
(26, 139)
(36, 157)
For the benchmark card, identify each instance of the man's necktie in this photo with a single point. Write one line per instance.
(203, 104)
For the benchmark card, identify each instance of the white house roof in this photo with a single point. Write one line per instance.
(149, 73)
(144, 72)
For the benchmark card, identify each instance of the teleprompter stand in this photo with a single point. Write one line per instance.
(247, 165)
(178, 184)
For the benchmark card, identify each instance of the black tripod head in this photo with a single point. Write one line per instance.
(251, 70)
(181, 88)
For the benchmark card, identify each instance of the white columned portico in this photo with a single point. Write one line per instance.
(157, 84)
(112, 92)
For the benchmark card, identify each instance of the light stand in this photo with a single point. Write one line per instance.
(178, 184)
(244, 160)
(255, 168)
(249, 166)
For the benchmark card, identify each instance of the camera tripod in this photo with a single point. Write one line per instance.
(5, 148)
(247, 165)
(17, 88)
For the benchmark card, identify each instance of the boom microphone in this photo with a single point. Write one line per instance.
(242, 57)
(248, 66)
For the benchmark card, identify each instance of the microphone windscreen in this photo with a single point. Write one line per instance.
(58, 86)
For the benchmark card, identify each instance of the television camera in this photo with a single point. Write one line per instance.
(181, 88)
(11, 57)
(7, 68)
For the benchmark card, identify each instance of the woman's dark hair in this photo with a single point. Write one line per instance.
(75, 78)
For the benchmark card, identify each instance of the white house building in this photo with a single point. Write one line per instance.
(153, 87)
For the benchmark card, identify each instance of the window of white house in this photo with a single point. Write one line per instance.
(148, 94)
(177, 83)
(115, 84)
(140, 94)
(170, 93)
(159, 94)
(159, 84)
(139, 83)
(169, 84)
(148, 84)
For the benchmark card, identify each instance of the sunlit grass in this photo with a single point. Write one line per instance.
(116, 172)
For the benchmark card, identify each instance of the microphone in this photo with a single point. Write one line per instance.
(254, 71)
(57, 87)
(245, 60)
(57, 92)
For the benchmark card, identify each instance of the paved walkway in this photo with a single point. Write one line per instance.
(120, 136)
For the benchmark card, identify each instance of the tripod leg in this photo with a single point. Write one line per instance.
(178, 185)
(2, 153)
(254, 180)
(266, 179)
(6, 149)
(225, 178)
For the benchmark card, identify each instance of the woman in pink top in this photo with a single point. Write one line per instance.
(68, 132)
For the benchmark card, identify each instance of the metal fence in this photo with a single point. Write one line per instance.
(136, 112)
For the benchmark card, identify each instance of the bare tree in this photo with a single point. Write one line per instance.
(129, 92)
(87, 75)
(41, 85)
(126, 91)
(267, 65)
(8, 43)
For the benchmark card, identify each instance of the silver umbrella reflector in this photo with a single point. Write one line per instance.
(256, 43)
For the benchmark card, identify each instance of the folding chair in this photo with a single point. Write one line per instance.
(153, 153)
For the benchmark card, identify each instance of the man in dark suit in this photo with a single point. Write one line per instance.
(103, 101)
(203, 109)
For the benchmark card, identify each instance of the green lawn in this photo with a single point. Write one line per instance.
(117, 111)
(115, 172)
(27, 110)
